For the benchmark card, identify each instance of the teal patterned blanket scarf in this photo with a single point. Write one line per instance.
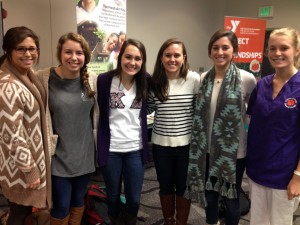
(224, 138)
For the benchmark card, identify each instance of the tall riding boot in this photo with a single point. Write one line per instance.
(28, 220)
(183, 206)
(76, 215)
(55, 221)
(168, 208)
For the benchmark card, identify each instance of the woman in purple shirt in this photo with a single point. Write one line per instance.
(273, 153)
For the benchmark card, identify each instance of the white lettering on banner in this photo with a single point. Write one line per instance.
(247, 55)
(234, 24)
(243, 41)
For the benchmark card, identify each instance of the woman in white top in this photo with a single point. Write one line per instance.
(172, 98)
(122, 137)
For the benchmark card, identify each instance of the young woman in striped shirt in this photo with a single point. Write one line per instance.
(172, 98)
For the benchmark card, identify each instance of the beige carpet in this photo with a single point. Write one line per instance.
(150, 211)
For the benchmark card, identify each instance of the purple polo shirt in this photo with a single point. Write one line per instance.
(274, 133)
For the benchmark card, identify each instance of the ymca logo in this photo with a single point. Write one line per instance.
(234, 24)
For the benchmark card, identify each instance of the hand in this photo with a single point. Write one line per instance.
(293, 189)
(35, 184)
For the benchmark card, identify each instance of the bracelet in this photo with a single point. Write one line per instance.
(296, 172)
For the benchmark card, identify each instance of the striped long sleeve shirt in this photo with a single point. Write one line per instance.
(174, 117)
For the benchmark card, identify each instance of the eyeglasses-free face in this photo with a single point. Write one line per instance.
(23, 50)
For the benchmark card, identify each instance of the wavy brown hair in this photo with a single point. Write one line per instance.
(84, 75)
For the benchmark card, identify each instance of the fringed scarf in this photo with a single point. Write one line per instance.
(224, 138)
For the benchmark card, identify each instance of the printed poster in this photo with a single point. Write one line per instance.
(251, 36)
(103, 25)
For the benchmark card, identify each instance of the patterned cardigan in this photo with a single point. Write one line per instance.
(24, 155)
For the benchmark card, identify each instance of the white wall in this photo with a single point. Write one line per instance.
(155, 21)
(21, 13)
(48, 18)
(152, 22)
(286, 12)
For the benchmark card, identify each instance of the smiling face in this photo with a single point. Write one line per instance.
(172, 60)
(131, 61)
(112, 43)
(24, 61)
(281, 52)
(72, 57)
(222, 52)
(121, 40)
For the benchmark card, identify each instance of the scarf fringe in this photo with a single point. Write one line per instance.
(209, 186)
(196, 196)
(221, 187)
(232, 193)
(223, 190)
(217, 185)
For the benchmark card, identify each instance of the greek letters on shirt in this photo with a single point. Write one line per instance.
(116, 101)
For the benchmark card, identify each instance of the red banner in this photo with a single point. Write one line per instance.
(251, 35)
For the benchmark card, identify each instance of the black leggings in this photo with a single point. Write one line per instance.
(18, 214)
(171, 164)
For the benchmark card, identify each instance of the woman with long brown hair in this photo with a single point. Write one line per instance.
(71, 102)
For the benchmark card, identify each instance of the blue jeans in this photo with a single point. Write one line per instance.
(67, 192)
(233, 211)
(129, 167)
(171, 164)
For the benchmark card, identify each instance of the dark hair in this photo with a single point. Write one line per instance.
(112, 35)
(140, 77)
(122, 33)
(160, 83)
(13, 37)
(87, 56)
(224, 33)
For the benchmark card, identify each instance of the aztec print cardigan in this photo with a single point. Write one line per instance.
(24, 155)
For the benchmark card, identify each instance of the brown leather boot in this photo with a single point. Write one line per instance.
(168, 208)
(54, 221)
(28, 220)
(76, 215)
(183, 206)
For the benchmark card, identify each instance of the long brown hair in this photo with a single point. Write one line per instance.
(140, 77)
(160, 83)
(224, 33)
(84, 75)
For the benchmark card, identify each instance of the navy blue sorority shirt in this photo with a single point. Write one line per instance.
(274, 133)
